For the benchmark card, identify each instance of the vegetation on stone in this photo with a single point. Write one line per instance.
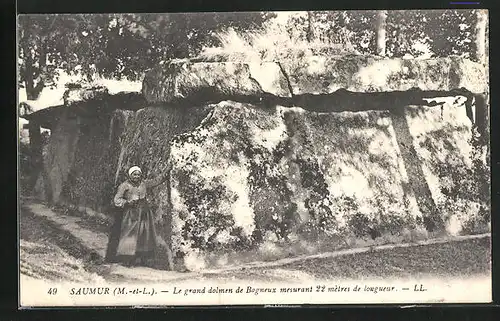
(191, 82)
(247, 178)
(238, 195)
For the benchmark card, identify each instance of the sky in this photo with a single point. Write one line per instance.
(53, 97)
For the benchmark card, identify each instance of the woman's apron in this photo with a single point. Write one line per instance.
(138, 235)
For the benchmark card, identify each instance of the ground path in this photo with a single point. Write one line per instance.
(463, 254)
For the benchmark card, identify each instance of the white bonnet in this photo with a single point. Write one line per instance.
(133, 169)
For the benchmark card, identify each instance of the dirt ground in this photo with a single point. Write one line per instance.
(456, 259)
(49, 252)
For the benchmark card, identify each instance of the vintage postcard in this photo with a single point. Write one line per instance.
(254, 158)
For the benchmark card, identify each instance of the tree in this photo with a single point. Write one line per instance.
(441, 32)
(114, 45)
(482, 101)
(310, 26)
(348, 28)
(48, 44)
(480, 36)
(380, 30)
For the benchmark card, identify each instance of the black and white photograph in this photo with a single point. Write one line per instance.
(254, 158)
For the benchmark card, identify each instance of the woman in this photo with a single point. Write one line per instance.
(138, 240)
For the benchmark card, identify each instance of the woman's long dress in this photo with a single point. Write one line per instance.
(138, 237)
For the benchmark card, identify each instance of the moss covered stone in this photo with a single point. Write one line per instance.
(181, 81)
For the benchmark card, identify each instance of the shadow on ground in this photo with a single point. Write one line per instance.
(462, 259)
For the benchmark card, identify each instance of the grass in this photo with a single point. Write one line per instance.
(47, 261)
(457, 259)
(40, 231)
(269, 44)
(461, 259)
(87, 221)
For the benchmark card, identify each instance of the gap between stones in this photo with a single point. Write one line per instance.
(339, 101)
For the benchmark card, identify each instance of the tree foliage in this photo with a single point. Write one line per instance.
(125, 45)
(113, 45)
(414, 32)
(354, 28)
(443, 32)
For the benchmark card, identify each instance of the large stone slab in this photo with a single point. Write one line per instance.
(76, 94)
(261, 183)
(272, 182)
(184, 81)
(201, 82)
(320, 74)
